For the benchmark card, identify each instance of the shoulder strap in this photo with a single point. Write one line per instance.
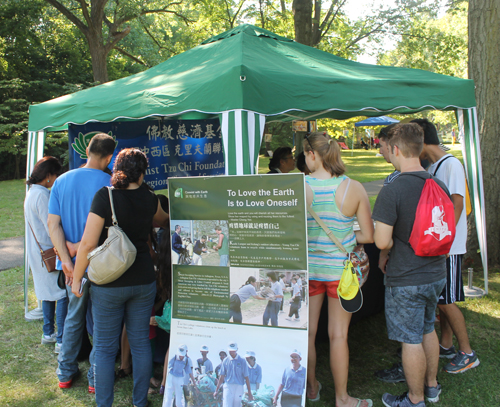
(326, 229)
(40, 247)
(439, 165)
(113, 215)
(345, 193)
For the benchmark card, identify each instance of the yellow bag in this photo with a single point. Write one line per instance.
(349, 283)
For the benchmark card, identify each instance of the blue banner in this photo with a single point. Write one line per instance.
(175, 148)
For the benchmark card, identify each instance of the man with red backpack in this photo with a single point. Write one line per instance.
(413, 283)
(448, 169)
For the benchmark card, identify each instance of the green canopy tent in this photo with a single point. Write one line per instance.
(248, 76)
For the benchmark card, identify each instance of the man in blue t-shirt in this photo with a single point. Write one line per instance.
(69, 205)
(293, 383)
(234, 374)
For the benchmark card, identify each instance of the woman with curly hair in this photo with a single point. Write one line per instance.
(130, 298)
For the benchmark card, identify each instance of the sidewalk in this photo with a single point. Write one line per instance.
(11, 253)
(373, 188)
(282, 322)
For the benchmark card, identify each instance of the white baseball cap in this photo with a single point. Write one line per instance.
(204, 348)
(182, 350)
(295, 352)
(250, 354)
(232, 347)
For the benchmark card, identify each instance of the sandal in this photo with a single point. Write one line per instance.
(122, 373)
(370, 402)
(317, 395)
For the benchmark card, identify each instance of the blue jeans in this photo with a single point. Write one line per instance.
(224, 259)
(49, 309)
(271, 312)
(74, 327)
(110, 306)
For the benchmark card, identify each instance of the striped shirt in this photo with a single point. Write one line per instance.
(326, 261)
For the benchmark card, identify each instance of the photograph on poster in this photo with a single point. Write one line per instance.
(225, 350)
(200, 242)
(278, 297)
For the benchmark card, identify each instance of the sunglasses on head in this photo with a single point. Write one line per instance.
(307, 138)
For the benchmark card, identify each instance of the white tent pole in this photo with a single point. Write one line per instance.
(480, 220)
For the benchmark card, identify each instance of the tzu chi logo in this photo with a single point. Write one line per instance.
(439, 230)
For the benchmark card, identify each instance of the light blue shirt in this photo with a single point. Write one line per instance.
(234, 370)
(276, 287)
(294, 381)
(255, 374)
(179, 368)
(209, 367)
(246, 292)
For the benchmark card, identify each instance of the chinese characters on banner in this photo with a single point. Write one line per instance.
(174, 148)
(239, 248)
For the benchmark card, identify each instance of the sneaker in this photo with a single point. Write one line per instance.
(297, 319)
(432, 393)
(57, 348)
(462, 362)
(288, 318)
(447, 353)
(399, 401)
(49, 339)
(69, 383)
(91, 390)
(395, 374)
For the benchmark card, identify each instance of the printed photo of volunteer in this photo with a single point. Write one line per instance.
(254, 370)
(246, 291)
(273, 305)
(293, 383)
(199, 248)
(233, 377)
(254, 293)
(200, 242)
(179, 367)
(204, 364)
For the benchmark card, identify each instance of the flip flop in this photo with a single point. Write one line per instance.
(317, 395)
(370, 402)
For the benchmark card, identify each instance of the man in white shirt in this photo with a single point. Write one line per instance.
(450, 171)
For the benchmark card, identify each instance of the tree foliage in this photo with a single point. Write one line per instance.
(104, 23)
(436, 45)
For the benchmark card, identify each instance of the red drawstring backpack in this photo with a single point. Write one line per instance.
(433, 230)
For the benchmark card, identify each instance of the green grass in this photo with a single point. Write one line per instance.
(370, 350)
(28, 379)
(12, 195)
(363, 166)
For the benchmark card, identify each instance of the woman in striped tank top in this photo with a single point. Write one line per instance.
(337, 200)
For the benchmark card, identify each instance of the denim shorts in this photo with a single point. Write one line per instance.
(410, 311)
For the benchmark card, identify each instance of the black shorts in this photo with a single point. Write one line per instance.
(453, 291)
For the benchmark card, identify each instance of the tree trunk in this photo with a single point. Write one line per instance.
(302, 17)
(98, 54)
(484, 69)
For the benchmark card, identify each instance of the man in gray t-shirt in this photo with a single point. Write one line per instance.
(413, 283)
